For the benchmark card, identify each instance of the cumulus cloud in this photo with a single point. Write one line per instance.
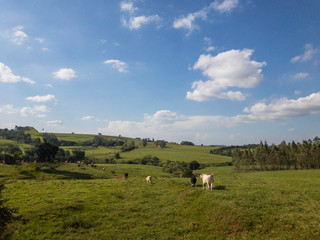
(127, 7)
(37, 111)
(18, 36)
(86, 118)
(231, 69)
(166, 124)
(46, 98)
(225, 5)
(65, 73)
(131, 20)
(117, 64)
(7, 76)
(135, 23)
(8, 109)
(188, 22)
(301, 75)
(54, 124)
(284, 108)
(308, 54)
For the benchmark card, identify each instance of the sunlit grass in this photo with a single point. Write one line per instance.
(258, 205)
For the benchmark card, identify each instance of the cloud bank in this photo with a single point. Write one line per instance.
(167, 124)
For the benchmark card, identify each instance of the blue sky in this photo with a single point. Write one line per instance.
(206, 71)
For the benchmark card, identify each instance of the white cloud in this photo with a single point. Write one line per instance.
(308, 54)
(135, 23)
(117, 64)
(284, 108)
(18, 36)
(7, 76)
(54, 124)
(8, 109)
(166, 124)
(37, 111)
(188, 22)
(40, 40)
(132, 21)
(291, 129)
(228, 69)
(297, 92)
(86, 118)
(225, 5)
(65, 74)
(127, 7)
(49, 85)
(47, 98)
(301, 75)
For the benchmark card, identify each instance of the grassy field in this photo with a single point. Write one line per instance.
(67, 202)
(173, 152)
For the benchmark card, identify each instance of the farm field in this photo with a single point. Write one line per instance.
(62, 201)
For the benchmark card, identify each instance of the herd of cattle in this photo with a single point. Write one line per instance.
(207, 179)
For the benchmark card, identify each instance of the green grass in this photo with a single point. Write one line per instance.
(175, 152)
(60, 204)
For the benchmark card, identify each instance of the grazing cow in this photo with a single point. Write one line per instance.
(193, 180)
(125, 175)
(149, 179)
(206, 179)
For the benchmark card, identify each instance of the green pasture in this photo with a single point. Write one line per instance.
(175, 152)
(63, 201)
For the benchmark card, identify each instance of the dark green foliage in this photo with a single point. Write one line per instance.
(104, 141)
(7, 159)
(228, 150)
(177, 169)
(128, 147)
(194, 165)
(146, 160)
(46, 152)
(187, 143)
(77, 155)
(305, 155)
(51, 138)
(16, 134)
(160, 143)
(144, 142)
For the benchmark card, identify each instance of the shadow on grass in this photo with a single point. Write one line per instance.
(220, 187)
(68, 174)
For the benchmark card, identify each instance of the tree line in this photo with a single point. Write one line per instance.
(285, 156)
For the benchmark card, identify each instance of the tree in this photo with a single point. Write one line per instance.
(144, 142)
(51, 138)
(160, 143)
(46, 152)
(187, 143)
(194, 165)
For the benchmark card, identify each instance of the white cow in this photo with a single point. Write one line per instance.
(149, 179)
(206, 179)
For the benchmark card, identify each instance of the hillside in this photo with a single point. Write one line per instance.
(98, 153)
